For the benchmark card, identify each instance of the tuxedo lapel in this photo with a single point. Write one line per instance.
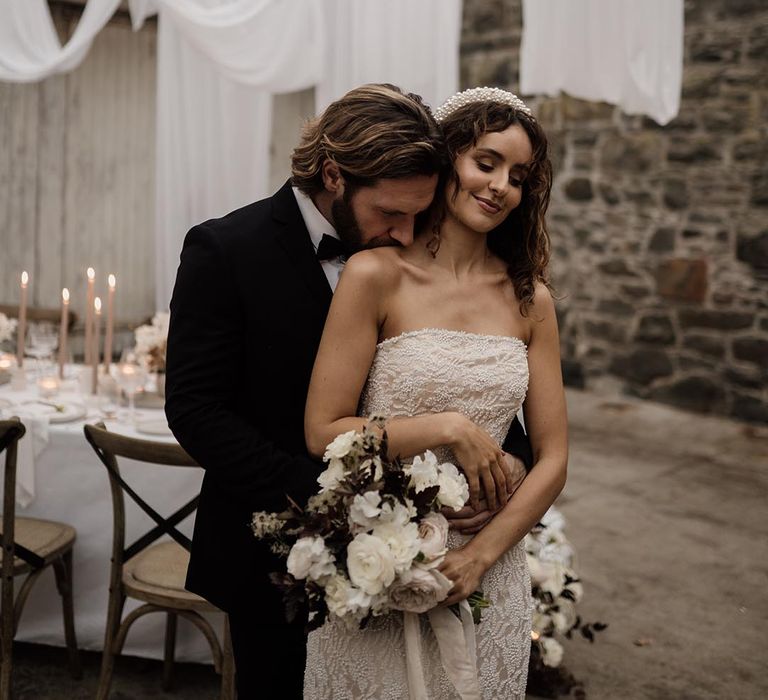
(294, 238)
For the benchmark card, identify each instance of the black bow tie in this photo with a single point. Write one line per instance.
(331, 248)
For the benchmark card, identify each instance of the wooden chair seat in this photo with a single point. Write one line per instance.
(157, 575)
(46, 538)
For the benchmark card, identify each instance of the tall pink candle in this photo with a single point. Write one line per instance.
(96, 338)
(63, 331)
(89, 314)
(21, 329)
(111, 280)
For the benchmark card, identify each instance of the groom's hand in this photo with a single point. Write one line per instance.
(468, 520)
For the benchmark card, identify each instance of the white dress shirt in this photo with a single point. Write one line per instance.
(317, 225)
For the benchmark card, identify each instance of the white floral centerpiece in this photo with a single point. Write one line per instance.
(7, 327)
(372, 539)
(152, 340)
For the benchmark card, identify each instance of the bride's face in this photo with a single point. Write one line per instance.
(491, 175)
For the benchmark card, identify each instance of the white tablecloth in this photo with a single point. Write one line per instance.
(71, 485)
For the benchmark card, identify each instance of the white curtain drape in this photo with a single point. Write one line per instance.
(624, 52)
(411, 43)
(219, 62)
(30, 49)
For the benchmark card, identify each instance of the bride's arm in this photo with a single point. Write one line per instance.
(545, 418)
(341, 368)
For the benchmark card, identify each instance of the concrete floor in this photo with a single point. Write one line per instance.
(669, 514)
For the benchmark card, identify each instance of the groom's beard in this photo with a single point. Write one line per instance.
(345, 222)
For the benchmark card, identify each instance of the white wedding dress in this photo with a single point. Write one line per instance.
(485, 377)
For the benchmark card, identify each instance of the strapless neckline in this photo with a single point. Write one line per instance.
(448, 332)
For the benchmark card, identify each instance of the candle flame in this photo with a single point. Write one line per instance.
(112, 280)
(65, 295)
(535, 635)
(24, 278)
(91, 273)
(97, 304)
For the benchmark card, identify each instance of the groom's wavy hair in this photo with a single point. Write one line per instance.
(375, 131)
(521, 240)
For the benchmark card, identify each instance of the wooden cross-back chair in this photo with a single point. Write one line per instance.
(30, 546)
(150, 571)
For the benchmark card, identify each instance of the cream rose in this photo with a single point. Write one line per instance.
(310, 558)
(345, 599)
(370, 563)
(551, 652)
(418, 590)
(333, 474)
(433, 534)
(364, 511)
(403, 541)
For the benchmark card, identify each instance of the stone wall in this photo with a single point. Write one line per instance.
(659, 234)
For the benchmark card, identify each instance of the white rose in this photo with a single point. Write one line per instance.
(418, 590)
(310, 558)
(541, 571)
(551, 652)
(403, 541)
(364, 510)
(454, 490)
(370, 563)
(344, 599)
(565, 616)
(423, 471)
(340, 446)
(553, 519)
(333, 474)
(433, 531)
(555, 580)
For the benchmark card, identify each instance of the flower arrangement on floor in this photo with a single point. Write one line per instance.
(152, 340)
(372, 540)
(556, 591)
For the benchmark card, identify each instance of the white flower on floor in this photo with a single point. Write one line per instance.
(418, 590)
(341, 446)
(433, 531)
(454, 490)
(551, 652)
(310, 558)
(370, 563)
(423, 471)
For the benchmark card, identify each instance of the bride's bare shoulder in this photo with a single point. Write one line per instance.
(375, 266)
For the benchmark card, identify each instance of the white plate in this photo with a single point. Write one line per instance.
(57, 411)
(153, 426)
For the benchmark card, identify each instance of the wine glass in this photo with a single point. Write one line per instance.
(130, 376)
(42, 339)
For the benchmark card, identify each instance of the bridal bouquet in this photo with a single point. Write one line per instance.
(371, 540)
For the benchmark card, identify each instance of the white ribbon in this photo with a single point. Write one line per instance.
(458, 651)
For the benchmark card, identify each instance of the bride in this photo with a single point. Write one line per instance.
(458, 327)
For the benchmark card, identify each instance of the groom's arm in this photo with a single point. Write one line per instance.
(517, 443)
(205, 361)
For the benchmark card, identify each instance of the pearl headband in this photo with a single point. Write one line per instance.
(479, 94)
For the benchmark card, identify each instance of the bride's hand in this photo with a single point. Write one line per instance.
(482, 461)
(465, 571)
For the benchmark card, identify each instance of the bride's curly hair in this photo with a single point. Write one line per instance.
(521, 240)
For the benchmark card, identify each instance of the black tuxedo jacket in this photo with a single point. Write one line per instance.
(247, 315)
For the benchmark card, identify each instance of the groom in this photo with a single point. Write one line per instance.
(248, 309)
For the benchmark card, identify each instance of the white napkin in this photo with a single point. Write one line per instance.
(30, 446)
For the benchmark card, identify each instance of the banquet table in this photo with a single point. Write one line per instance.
(70, 485)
